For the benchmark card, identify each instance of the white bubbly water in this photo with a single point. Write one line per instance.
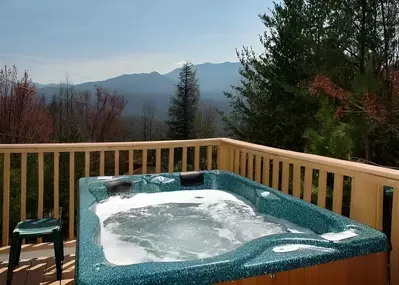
(180, 225)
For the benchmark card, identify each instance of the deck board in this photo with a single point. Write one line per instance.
(39, 246)
(40, 271)
(37, 270)
(3, 272)
(21, 272)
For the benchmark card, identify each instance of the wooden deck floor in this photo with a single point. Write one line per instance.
(40, 271)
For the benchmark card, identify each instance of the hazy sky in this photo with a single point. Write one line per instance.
(95, 40)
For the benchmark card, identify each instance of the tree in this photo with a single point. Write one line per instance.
(147, 117)
(67, 120)
(331, 137)
(345, 52)
(363, 46)
(183, 105)
(271, 106)
(23, 116)
(103, 115)
(84, 116)
(205, 123)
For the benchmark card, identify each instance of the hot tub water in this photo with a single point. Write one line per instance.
(180, 225)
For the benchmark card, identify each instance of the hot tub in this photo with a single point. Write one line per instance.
(214, 227)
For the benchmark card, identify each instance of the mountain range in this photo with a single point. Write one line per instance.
(156, 88)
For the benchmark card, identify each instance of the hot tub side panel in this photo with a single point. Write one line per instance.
(362, 270)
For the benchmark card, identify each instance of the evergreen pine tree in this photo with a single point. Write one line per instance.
(270, 105)
(183, 105)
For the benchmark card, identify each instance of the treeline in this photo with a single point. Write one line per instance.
(84, 116)
(327, 81)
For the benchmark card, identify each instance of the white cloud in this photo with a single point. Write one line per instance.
(180, 63)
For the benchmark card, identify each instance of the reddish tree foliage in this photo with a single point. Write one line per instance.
(23, 116)
(372, 108)
(324, 84)
(368, 103)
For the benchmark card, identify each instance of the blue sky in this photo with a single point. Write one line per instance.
(95, 40)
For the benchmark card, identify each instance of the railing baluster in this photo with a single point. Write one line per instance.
(266, 171)
(158, 161)
(196, 158)
(366, 199)
(276, 173)
(87, 163)
(237, 160)
(40, 196)
(171, 167)
(23, 185)
(184, 160)
(131, 161)
(56, 168)
(218, 156)
(209, 157)
(6, 198)
(250, 165)
(41, 185)
(231, 159)
(71, 213)
(286, 177)
(243, 170)
(257, 168)
(338, 193)
(321, 196)
(144, 162)
(102, 162)
(297, 181)
(224, 157)
(116, 164)
(307, 191)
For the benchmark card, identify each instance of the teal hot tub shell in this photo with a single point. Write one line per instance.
(254, 258)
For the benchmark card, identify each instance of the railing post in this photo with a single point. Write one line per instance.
(394, 262)
(366, 200)
(223, 156)
(6, 198)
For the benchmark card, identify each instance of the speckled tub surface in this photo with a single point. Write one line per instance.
(254, 258)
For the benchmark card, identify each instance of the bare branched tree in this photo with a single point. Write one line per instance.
(206, 121)
(84, 116)
(147, 116)
(102, 115)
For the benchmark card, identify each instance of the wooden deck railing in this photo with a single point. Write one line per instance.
(348, 188)
(19, 153)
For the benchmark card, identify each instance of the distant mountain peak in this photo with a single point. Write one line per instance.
(214, 78)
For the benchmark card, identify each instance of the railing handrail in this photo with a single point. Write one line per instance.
(322, 160)
(95, 146)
